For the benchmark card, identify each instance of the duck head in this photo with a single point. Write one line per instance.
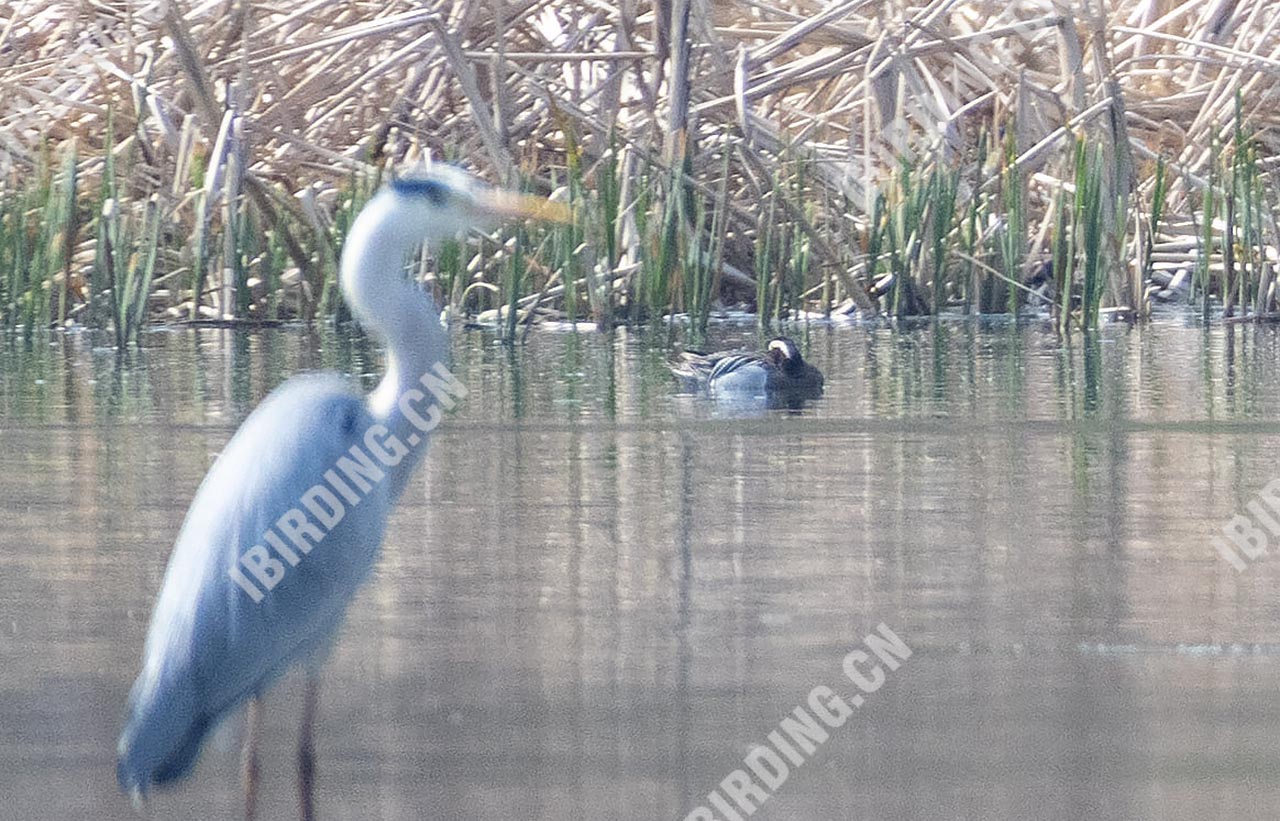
(784, 353)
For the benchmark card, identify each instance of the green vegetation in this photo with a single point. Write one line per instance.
(212, 176)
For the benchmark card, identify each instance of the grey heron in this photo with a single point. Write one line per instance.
(289, 520)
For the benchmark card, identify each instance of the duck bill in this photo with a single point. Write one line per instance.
(514, 205)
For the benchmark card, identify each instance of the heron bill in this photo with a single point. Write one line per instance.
(514, 204)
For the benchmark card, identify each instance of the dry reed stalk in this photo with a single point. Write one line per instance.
(844, 87)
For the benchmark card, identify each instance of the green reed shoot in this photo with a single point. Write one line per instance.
(764, 258)
(1014, 237)
(975, 215)
(199, 251)
(609, 190)
(793, 276)
(1153, 226)
(876, 230)
(697, 301)
(1246, 205)
(1209, 210)
(18, 307)
(658, 221)
(50, 257)
(709, 264)
(64, 243)
(944, 184)
(9, 244)
(566, 238)
(275, 259)
(907, 239)
(141, 268)
(609, 196)
(638, 288)
(513, 284)
(1089, 185)
(1063, 258)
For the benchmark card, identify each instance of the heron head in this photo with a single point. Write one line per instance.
(441, 201)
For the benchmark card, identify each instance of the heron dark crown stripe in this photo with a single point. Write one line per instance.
(433, 189)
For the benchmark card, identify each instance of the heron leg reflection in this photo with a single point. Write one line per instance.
(249, 766)
(306, 749)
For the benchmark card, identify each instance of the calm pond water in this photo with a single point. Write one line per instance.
(599, 596)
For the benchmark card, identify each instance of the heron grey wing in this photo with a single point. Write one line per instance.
(211, 644)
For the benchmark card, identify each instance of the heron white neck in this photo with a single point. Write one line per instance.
(400, 314)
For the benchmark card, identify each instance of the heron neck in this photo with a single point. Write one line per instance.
(398, 313)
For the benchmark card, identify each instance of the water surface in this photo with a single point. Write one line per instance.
(599, 595)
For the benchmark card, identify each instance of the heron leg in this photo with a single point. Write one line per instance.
(249, 760)
(306, 749)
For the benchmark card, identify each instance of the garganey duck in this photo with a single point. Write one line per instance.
(778, 370)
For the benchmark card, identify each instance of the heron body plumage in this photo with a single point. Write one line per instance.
(210, 646)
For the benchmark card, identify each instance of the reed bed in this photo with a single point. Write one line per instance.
(201, 162)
